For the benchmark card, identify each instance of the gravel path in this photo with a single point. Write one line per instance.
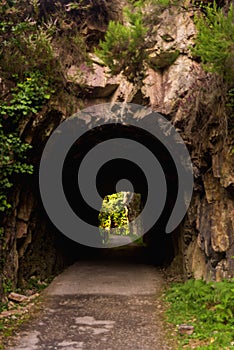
(109, 303)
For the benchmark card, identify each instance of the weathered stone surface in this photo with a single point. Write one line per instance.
(153, 89)
(223, 167)
(95, 78)
(26, 205)
(198, 265)
(21, 229)
(222, 270)
(177, 31)
(211, 186)
(125, 92)
(165, 89)
(19, 298)
(219, 229)
(195, 103)
(185, 329)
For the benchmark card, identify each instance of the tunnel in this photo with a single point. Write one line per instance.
(116, 170)
(160, 247)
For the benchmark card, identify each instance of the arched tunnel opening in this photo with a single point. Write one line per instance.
(159, 244)
(158, 247)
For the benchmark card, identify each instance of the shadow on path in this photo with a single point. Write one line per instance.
(105, 302)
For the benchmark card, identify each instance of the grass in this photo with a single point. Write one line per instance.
(209, 307)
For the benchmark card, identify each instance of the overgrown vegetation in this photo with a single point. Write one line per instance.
(215, 41)
(25, 40)
(126, 44)
(30, 62)
(114, 214)
(215, 47)
(26, 99)
(209, 307)
(39, 41)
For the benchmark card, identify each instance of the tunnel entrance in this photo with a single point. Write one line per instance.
(57, 250)
(159, 244)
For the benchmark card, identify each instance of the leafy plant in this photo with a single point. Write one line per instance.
(114, 214)
(7, 286)
(215, 41)
(12, 156)
(26, 45)
(30, 42)
(161, 3)
(27, 98)
(123, 47)
(209, 307)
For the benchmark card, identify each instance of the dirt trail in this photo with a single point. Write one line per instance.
(107, 303)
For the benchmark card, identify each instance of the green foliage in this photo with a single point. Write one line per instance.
(161, 3)
(26, 99)
(209, 307)
(126, 45)
(77, 5)
(123, 47)
(7, 286)
(215, 41)
(26, 45)
(30, 42)
(35, 285)
(12, 156)
(113, 214)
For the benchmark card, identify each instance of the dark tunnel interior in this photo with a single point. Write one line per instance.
(159, 245)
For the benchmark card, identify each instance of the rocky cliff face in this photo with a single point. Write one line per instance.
(193, 100)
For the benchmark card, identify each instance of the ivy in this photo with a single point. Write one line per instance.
(26, 99)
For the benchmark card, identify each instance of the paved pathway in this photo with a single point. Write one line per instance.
(107, 303)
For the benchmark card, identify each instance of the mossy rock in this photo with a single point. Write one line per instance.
(163, 59)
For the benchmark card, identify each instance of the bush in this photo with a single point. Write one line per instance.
(113, 214)
(126, 45)
(123, 47)
(215, 41)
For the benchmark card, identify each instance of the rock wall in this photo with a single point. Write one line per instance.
(193, 100)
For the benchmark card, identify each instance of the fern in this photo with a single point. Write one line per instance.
(207, 306)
